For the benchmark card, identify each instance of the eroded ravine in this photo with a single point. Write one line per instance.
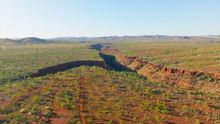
(103, 96)
(25, 96)
(58, 68)
(208, 82)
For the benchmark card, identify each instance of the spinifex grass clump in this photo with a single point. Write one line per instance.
(96, 95)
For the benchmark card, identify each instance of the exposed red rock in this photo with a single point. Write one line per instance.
(175, 76)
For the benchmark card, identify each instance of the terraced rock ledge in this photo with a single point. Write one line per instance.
(174, 76)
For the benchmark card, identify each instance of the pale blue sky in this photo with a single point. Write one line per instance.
(55, 18)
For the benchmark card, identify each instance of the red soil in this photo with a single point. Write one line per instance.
(24, 96)
(180, 77)
(64, 114)
(4, 103)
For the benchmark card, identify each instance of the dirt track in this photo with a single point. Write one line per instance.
(63, 113)
(82, 100)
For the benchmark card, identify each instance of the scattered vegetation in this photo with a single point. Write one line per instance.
(201, 56)
(109, 97)
(97, 95)
(20, 60)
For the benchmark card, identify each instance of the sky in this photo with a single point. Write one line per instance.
(67, 18)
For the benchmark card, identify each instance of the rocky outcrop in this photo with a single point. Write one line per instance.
(174, 76)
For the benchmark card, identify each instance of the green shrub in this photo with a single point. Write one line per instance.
(36, 99)
(161, 107)
(147, 105)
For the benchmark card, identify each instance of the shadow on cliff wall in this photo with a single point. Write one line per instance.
(67, 66)
(110, 60)
(58, 68)
(97, 46)
(112, 63)
(109, 63)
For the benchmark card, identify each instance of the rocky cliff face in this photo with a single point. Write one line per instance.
(173, 76)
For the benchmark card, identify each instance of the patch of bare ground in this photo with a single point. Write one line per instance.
(62, 115)
(82, 100)
(95, 95)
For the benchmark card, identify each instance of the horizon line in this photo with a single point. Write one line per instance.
(108, 36)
